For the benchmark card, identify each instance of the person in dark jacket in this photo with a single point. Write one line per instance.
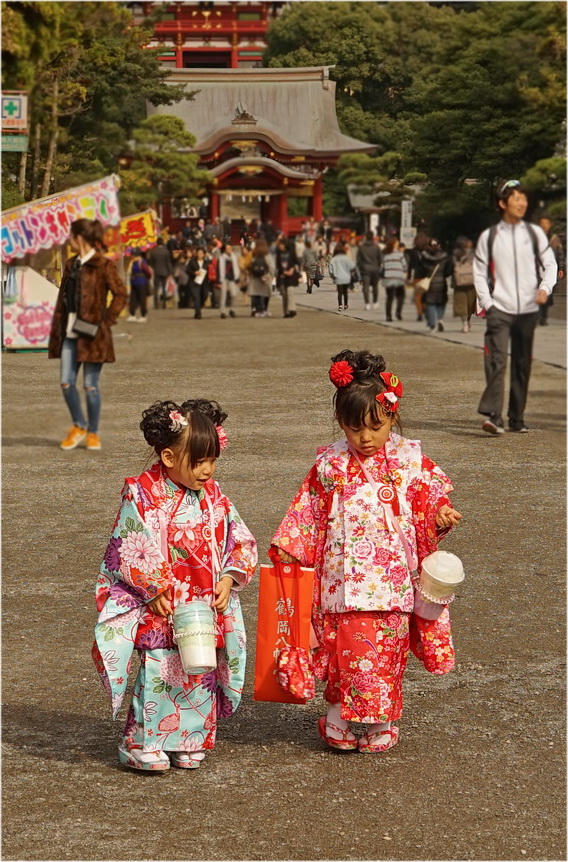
(437, 265)
(421, 242)
(198, 284)
(556, 245)
(369, 264)
(161, 262)
(287, 275)
(87, 280)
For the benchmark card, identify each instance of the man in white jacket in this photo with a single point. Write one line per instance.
(514, 273)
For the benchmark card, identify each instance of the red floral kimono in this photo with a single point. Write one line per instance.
(364, 590)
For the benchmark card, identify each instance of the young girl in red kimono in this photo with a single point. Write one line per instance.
(368, 512)
(176, 538)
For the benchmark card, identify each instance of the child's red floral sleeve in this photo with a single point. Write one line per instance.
(133, 554)
(299, 532)
(427, 495)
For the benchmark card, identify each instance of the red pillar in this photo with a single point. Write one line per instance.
(214, 206)
(317, 200)
(234, 46)
(282, 219)
(179, 50)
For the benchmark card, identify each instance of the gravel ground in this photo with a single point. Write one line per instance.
(479, 772)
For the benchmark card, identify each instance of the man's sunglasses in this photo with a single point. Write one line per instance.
(510, 184)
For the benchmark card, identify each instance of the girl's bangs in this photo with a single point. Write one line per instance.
(355, 404)
(203, 441)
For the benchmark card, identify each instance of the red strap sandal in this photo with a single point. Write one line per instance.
(343, 744)
(367, 746)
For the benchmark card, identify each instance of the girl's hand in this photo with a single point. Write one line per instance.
(448, 517)
(162, 605)
(286, 558)
(223, 593)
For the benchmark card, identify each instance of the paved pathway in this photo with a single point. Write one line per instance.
(479, 771)
(549, 346)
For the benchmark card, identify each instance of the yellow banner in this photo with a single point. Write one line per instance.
(138, 231)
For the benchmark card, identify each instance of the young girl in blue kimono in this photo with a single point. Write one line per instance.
(176, 538)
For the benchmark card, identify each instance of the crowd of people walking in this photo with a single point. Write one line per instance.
(199, 268)
(509, 277)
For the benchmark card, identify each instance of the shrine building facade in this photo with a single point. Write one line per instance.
(266, 135)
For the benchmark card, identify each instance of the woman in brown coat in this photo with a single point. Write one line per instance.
(87, 279)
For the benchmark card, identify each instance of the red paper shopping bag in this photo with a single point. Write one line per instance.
(284, 621)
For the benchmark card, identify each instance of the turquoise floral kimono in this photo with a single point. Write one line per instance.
(164, 536)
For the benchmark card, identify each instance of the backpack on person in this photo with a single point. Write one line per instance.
(258, 267)
(463, 272)
(212, 269)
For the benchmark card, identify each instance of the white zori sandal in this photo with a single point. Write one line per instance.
(184, 760)
(136, 758)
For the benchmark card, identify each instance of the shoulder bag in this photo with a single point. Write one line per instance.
(424, 283)
(84, 328)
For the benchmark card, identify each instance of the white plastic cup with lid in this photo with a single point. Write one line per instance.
(440, 574)
(194, 634)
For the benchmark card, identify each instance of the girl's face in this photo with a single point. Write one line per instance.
(181, 472)
(370, 437)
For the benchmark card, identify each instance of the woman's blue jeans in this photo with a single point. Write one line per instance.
(91, 373)
(434, 313)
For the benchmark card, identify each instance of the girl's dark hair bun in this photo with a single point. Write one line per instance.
(155, 424)
(211, 409)
(366, 365)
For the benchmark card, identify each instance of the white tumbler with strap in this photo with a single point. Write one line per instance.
(194, 634)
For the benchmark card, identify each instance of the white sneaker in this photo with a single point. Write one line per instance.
(131, 319)
(142, 320)
(367, 306)
(375, 306)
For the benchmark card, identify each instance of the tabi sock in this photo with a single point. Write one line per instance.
(334, 717)
(377, 728)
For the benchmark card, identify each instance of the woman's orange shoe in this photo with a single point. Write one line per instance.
(93, 441)
(75, 436)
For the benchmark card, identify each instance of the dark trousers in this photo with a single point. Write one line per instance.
(544, 308)
(260, 304)
(519, 329)
(396, 292)
(160, 290)
(371, 279)
(343, 294)
(184, 294)
(197, 295)
(138, 297)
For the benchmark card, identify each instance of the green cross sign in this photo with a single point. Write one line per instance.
(15, 112)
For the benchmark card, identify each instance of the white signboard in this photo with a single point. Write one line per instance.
(14, 112)
(406, 214)
(407, 232)
(27, 308)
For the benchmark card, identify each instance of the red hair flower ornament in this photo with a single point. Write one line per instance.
(341, 373)
(389, 398)
(222, 435)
